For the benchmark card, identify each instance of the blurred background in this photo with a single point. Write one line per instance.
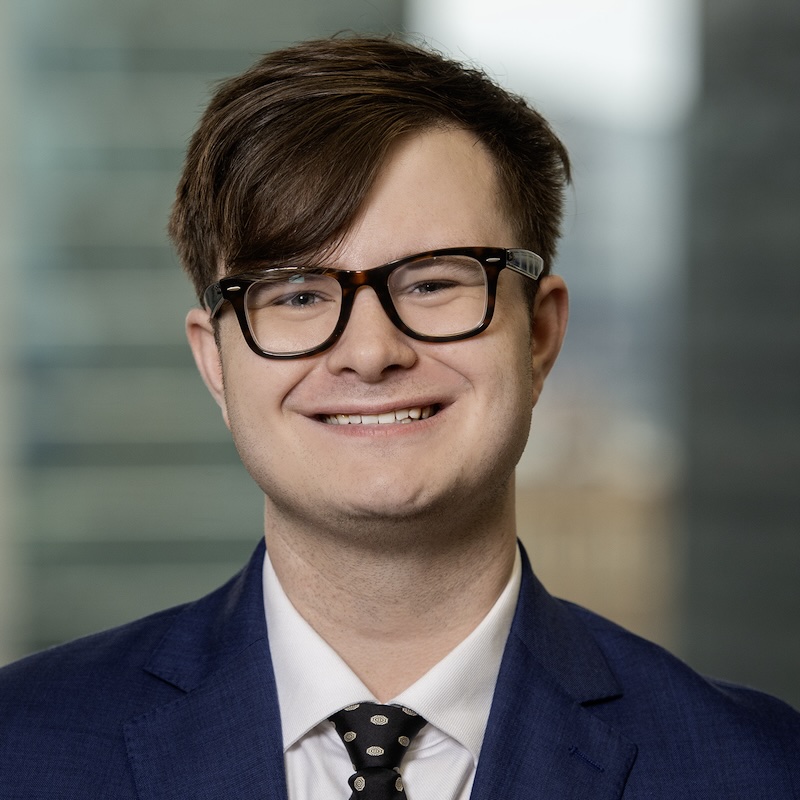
(660, 486)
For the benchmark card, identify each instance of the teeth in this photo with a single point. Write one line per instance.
(405, 415)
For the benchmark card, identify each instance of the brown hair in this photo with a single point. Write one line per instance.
(287, 151)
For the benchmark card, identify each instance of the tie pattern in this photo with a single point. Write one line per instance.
(376, 737)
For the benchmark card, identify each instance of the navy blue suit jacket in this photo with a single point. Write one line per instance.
(183, 705)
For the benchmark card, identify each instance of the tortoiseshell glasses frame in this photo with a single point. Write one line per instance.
(236, 289)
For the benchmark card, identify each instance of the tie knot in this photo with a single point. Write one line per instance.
(376, 735)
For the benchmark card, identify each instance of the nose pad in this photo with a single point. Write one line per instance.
(370, 343)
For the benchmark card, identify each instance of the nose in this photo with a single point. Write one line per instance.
(370, 346)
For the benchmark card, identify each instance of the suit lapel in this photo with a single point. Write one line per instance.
(222, 737)
(542, 741)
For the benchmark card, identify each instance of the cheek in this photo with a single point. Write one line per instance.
(510, 362)
(254, 411)
(499, 372)
(255, 390)
(504, 413)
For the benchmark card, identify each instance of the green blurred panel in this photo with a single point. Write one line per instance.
(90, 307)
(124, 406)
(139, 504)
(126, 206)
(86, 116)
(77, 599)
(251, 25)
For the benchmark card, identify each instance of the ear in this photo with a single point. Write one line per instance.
(550, 313)
(200, 333)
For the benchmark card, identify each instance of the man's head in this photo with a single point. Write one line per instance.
(347, 155)
(286, 152)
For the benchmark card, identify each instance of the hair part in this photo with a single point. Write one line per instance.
(285, 154)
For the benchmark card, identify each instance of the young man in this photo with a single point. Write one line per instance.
(370, 229)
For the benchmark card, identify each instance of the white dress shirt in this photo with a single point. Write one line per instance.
(454, 696)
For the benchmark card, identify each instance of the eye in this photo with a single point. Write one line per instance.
(437, 279)
(300, 299)
(430, 287)
(288, 291)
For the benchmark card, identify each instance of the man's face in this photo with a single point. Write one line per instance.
(437, 189)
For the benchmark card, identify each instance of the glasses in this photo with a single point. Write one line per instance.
(438, 296)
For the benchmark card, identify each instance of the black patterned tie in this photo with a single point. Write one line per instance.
(376, 738)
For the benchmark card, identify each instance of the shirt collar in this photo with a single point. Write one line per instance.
(455, 695)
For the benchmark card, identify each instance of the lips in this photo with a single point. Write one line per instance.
(399, 415)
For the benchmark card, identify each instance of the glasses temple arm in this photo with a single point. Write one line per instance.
(525, 262)
(213, 299)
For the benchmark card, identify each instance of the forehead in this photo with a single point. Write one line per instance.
(435, 189)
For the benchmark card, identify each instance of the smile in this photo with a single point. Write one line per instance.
(401, 415)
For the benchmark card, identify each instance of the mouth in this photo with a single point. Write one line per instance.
(402, 416)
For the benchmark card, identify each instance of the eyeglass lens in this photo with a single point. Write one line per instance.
(293, 310)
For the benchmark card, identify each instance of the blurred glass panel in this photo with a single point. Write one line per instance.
(11, 577)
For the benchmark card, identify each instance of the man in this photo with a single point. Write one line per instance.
(370, 229)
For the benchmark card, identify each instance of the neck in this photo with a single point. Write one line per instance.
(402, 595)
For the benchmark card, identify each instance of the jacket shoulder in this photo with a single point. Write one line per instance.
(85, 670)
(700, 725)
(636, 659)
(64, 711)
(71, 701)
